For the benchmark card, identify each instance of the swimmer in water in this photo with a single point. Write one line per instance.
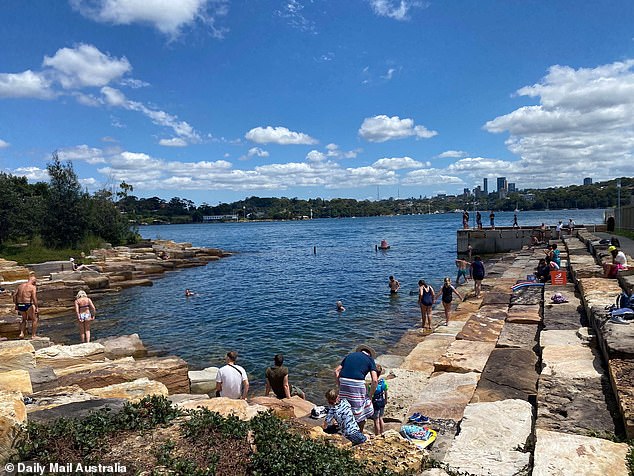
(340, 307)
(188, 293)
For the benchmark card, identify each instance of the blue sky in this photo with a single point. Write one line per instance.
(217, 100)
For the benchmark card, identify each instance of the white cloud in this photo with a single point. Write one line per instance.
(315, 156)
(4, 144)
(35, 174)
(382, 128)
(133, 83)
(85, 66)
(582, 125)
(292, 11)
(173, 142)
(84, 153)
(395, 9)
(425, 177)
(278, 135)
(25, 85)
(399, 163)
(334, 152)
(389, 74)
(452, 154)
(184, 131)
(169, 17)
(257, 152)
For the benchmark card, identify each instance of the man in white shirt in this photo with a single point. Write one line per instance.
(231, 379)
(558, 229)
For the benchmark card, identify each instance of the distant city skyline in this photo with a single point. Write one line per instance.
(218, 100)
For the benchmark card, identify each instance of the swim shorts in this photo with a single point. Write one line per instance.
(24, 306)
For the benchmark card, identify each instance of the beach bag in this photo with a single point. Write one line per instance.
(558, 298)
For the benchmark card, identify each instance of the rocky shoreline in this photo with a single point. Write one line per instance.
(514, 384)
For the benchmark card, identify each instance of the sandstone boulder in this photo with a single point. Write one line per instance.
(76, 409)
(405, 388)
(465, 356)
(489, 438)
(123, 346)
(508, 374)
(282, 409)
(59, 356)
(423, 356)
(133, 391)
(16, 355)
(227, 406)
(446, 395)
(570, 361)
(392, 451)
(203, 381)
(16, 381)
(562, 454)
(482, 328)
(12, 416)
(518, 336)
(622, 377)
(526, 314)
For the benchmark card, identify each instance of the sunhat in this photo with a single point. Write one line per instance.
(611, 248)
(366, 348)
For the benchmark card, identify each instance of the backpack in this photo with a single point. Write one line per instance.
(624, 300)
(378, 399)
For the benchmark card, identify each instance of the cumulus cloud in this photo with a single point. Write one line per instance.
(334, 152)
(278, 135)
(27, 84)
(85, 66)
(452, 154)
(382, 128)
(169, 17)
(257, 152)
(398, 163)
(173, 142)
(34, 174)
(4, 144)
(91, 155)
(395, 9)
(425, 177)
(582, 124)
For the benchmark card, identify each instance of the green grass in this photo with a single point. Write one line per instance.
(626, 233)
(36, 252)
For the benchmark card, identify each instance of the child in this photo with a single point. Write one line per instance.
(340, 412)
(379, 400)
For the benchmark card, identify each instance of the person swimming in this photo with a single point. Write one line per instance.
(340, 307)
(188, 293)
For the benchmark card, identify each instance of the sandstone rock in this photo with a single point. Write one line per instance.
(171, 371)
(179, 399)
(446, 395)
(423, 356)
(16, 355)
(75, 409)
(508, 374)
(96, 282)
(16, 381)
(134, 282)
(227, 406)
(58, 356)
(560, 337)
(12, 416)
(481, 327)
(203, 381)
(565, 315)
(619, 340)
(518, 336)
(133, 391)
(526, 314)
(393, 451)
(41, 375)
(283, 410)
(404, 387)
(465, 356)
(559, 454)
(576, 405)
(301, 407)
(471, 305)
(622, 377)
(490, 434)
(527, 296)
(123, 346)
(494, 311)
(389, 361)
(496, 298)
(47, 399)
(568, 361)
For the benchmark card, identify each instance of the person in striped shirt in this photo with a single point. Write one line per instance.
(340, 412)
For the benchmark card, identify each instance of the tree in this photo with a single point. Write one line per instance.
(65, 221)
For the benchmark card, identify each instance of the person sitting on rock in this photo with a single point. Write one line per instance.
(277, 380)
(340, 412)
(619, 263)
(231, 379)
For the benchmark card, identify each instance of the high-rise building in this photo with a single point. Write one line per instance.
(466, 192)
(502, 184)
(485, 184)
(587, 181)
(511, 187)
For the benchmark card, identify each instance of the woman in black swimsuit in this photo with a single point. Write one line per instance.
(426, 297)
(447, 292)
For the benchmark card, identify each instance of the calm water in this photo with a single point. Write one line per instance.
(275, 295)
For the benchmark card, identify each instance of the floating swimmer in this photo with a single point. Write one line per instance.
(189, 293)
(340, 307)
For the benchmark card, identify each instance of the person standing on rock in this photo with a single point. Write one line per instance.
(446, 293)
(85, 311)
(25, 300)
(426, 297)
(231, 379)
(477, 271)
(350, 375)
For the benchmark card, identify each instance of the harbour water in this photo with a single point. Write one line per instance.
(275, 295)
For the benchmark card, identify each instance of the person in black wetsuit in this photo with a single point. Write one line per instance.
(447, 292)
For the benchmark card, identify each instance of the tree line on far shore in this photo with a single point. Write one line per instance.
(59, 212)
(63, 215)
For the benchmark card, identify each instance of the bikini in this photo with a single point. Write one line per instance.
(86, 315)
